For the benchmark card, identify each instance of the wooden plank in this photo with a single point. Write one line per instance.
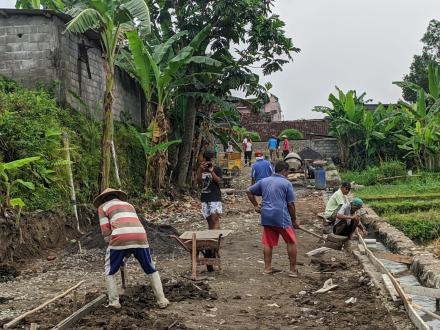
(390, 287)
(70, 321)
(317, 251)
(194, 256)
(394, 257)
(414, 317)
(422, 291)
(205, 234)
(22, 316)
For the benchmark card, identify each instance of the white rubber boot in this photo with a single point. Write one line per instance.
(112, 289)
(156, 285)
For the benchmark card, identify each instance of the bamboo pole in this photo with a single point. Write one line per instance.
(426, 311)
(72, 186)
(115, 163)
(22, 316)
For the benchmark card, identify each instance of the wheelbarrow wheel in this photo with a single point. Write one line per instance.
(235, 171)
(209, 254)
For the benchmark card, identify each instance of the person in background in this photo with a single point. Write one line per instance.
(278, 215)
(248, 153)
(261, 169)
(285, 146)
(336, 201)
(348, 219)
(278, 147)
(209, 178)
(126, 236)
(230, 148)
(272, 146)
(245, 141)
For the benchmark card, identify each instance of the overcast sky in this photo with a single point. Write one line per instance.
(354, 44)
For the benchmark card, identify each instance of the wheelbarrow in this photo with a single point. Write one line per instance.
(203, 247)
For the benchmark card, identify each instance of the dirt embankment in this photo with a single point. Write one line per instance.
(43, 233)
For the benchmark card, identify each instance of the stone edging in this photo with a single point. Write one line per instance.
(425, 266)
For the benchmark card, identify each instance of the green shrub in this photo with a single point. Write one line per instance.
(254, 136)
(376, 174)
(421, 227)
(405, 206)
(292, 134)
(31, 124)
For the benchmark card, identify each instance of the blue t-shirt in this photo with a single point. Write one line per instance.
(272, 143)
(261, 169)
(276, 191)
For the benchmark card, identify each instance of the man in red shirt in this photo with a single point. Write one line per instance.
(125, 234)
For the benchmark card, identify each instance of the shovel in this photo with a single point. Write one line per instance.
(312, 233)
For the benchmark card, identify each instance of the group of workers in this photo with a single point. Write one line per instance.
(273, 145)
(271, 194)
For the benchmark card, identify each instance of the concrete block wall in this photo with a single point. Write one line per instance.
(27, 45)
(34, 49)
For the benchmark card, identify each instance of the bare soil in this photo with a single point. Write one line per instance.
(237, 297)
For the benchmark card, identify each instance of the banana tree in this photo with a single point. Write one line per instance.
(159, 70)
(8, 181)
(150, 150)
(112, 19)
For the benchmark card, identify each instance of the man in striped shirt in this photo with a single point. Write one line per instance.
(125, 234)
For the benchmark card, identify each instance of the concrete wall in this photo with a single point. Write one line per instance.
(327, 147)
(34, 49)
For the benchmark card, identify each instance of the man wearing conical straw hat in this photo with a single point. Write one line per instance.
(126, 236)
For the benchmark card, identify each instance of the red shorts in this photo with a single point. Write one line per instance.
(271, 235)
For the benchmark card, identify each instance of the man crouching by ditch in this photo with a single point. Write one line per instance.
(125, 234)
(348, 219)
(278, 215)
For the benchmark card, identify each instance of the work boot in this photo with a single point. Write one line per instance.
(156, 285)
(112, 289)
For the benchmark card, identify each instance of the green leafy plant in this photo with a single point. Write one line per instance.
(404, 206)
(112, 19)
(150, 149)
(375, 174)
(292, 134)
(18, 204)
(9, 180)
(422, 227)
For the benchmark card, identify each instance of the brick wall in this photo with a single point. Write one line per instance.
(327, 147)
(309, 128)
(34, 49)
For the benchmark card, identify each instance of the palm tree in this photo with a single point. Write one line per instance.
(112, 19)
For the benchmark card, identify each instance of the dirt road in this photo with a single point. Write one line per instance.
(238, 297)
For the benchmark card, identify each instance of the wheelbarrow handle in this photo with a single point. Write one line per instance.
(180, 242)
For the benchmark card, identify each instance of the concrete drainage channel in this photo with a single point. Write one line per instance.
(406, 277)
(424, 270)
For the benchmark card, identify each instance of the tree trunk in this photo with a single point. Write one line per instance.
(160, 160)
(107, 130)
(187, 143)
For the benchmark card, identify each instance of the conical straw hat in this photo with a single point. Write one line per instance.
(98, 200)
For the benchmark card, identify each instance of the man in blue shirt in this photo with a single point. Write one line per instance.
(261, 169)
(272, 146)
(278, 216)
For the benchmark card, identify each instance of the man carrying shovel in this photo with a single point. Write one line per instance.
(278, 215)
(125, 234)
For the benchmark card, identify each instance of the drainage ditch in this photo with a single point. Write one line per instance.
(406, 277)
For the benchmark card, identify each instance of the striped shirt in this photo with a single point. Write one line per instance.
(119, 220)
